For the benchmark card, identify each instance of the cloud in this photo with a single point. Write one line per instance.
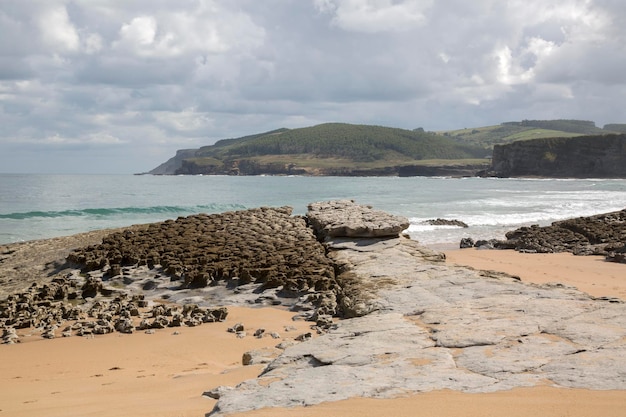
(57, 31)
(375, 15)
(138, 80)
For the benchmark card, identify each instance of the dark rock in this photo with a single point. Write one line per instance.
(466, 242)
(92, 287)
(592, 235)
(486, 244)
(446, 222)
(266, 246)
(236, 328)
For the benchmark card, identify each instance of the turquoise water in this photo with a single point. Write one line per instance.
(42, 206)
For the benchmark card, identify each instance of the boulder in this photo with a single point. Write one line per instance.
(345, 218)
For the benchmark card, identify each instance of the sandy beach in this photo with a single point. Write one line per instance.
(165, 374)
(160, 374)
(590, 274)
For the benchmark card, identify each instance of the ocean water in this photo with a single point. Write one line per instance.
(42, 206)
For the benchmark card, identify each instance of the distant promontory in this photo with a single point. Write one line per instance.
(340, 149)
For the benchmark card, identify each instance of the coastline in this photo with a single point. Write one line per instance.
(164, 374)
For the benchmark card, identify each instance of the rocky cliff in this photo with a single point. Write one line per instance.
(578, 157)
(252, 167)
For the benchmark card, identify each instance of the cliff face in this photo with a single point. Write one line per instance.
(173, 164)
(252, 167)
(579, 157)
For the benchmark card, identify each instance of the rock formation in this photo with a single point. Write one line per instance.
(49, 307)
(577, 157)
(265, 245)
(447, 222)
(602, 234)
(419, 325)
(344, 218)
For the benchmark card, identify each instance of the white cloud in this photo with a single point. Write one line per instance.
(140, 32)
(57, 31)
(375, 15)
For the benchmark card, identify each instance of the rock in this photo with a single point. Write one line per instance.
(303, 337)
(601, 234)
(345, 218)
(125, 325)
(48, 333)
(466, 242)
(91, 287)
(160, 322)
(217, 392)
(260, 356)
(264, 246)
(9, 336)
(618, 255)
(213, 315)
(434, 327)
(236, 328)
(486, 244)
(446, 222)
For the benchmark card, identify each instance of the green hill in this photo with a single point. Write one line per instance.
(508, 132)
(348, 149)
(358, 143)
(326, 149)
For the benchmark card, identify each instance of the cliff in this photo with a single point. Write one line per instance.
(174, 163)
(578, 157)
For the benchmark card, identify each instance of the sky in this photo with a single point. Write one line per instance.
(117, 86)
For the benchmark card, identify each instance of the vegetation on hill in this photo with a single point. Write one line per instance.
(358, 143)
(616, 127)
(508, 132)
(348, 149)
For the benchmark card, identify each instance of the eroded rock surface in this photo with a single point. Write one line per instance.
(419, 325)
(265, 245)
(602, 234)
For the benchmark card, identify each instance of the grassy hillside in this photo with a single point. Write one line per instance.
(527, 129)
(356, 143)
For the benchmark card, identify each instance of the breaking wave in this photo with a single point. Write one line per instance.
(124, 211)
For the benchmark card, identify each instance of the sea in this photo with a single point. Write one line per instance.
(43, 206)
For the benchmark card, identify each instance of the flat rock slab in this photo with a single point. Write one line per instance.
(345, 218)
(433, 327)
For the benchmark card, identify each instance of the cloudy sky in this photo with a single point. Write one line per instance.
(117, 86)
